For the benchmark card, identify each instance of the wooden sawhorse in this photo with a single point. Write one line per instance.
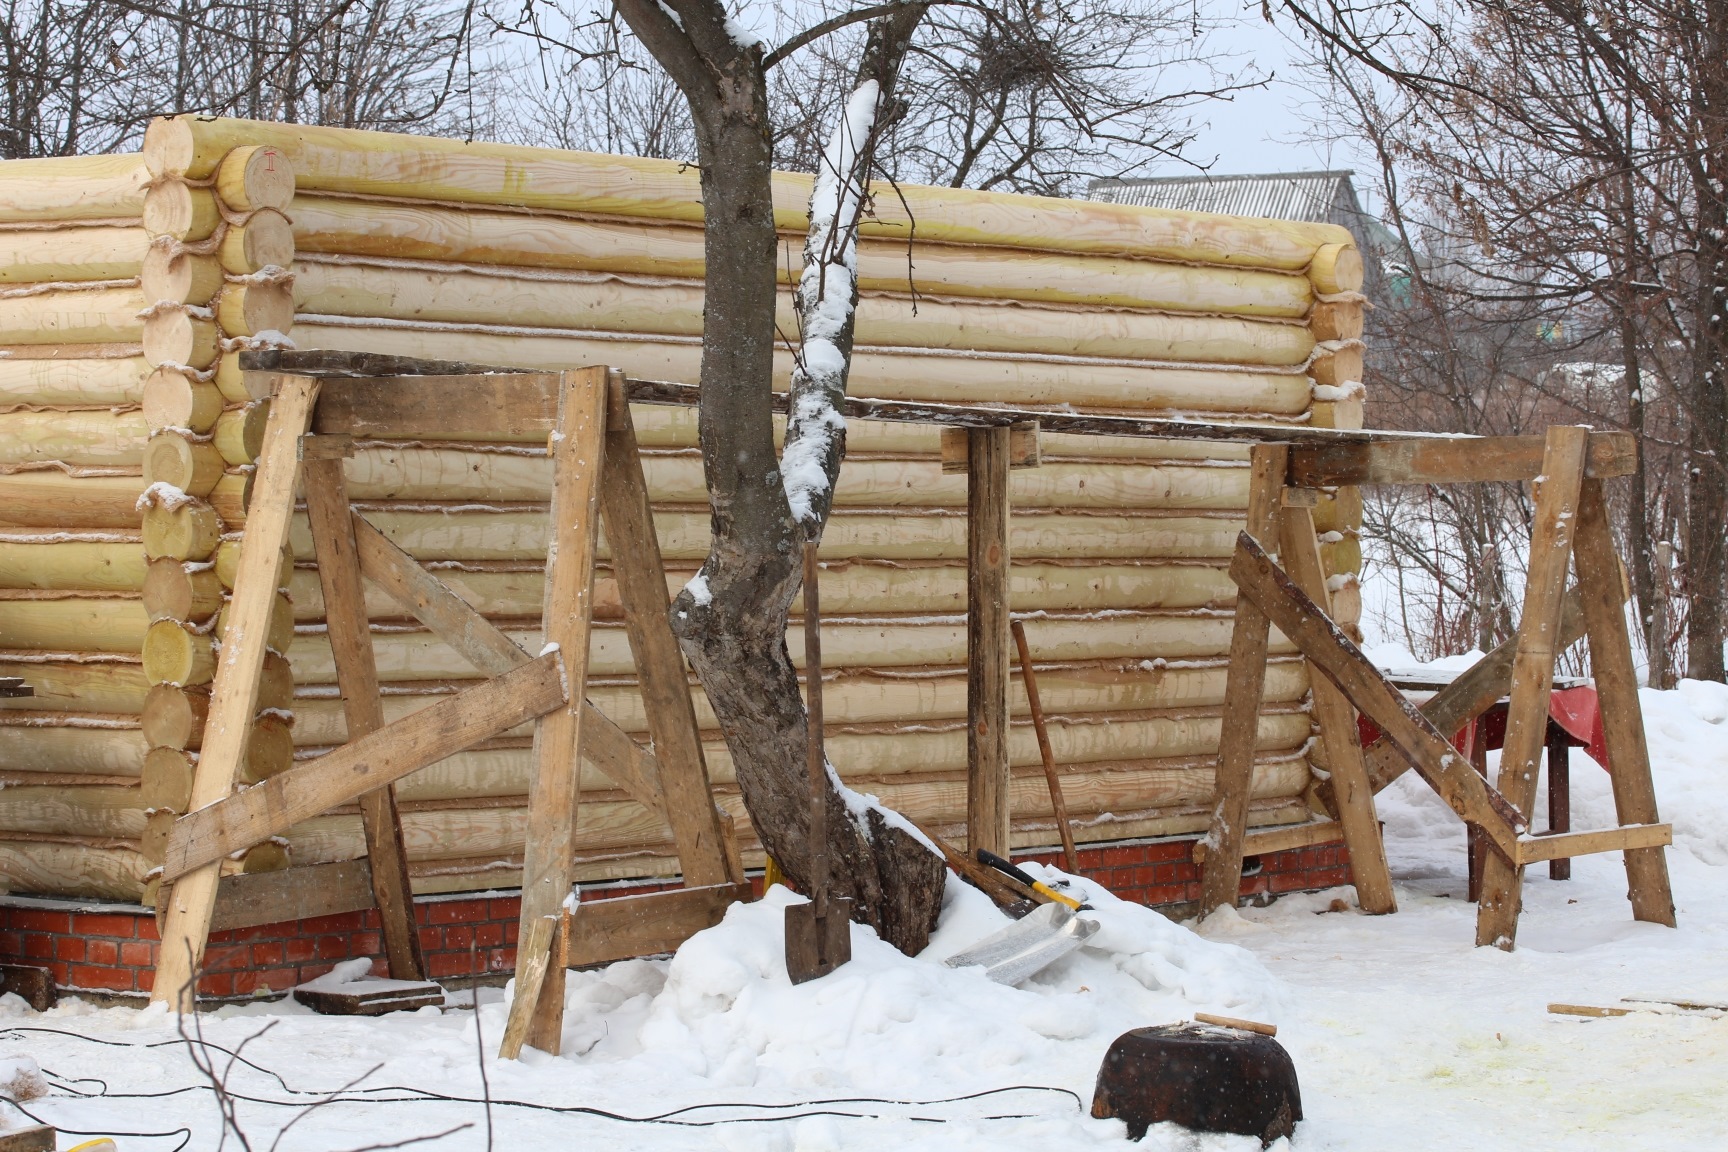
(319, 403)
(1571, 525)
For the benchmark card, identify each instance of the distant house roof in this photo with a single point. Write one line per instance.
(1275, 195)
(1320, 197)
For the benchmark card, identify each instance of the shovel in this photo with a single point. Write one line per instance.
(818, 934)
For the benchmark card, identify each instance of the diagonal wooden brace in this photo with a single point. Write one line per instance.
(249, 817)
(1332, 652)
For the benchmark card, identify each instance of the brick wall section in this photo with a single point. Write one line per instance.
(113, 950)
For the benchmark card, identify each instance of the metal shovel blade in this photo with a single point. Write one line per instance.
(816, 945)
(1027, 946)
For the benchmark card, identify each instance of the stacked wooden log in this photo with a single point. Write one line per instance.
(496, 254)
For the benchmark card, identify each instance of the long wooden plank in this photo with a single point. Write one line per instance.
(686, 797)
(1600, 587)
(502, 406)
(988, 666)
(1627, 838)
(1337, 658)
(601, 931)
(234, 695)
(1221, 874)
(1351, 789)
(533, 965)
(578, 449)
(242, 819)
(1261, 841)
(484, 645)
(1551, 532)
(1451, 460)
(282, 897)
(357, 676)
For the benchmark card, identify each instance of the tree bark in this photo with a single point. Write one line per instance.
(731, 623)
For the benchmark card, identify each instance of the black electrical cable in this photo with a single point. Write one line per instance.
(410, 1095)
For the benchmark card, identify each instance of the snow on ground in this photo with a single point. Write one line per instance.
(1404, 1035)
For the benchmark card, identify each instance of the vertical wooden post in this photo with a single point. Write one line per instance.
(578, 452)
(1559, 795)
(1475, 840)
(988, 662)
(665, 684)
(1351, 788)
(1221, 873)
(1599, 590)
(234, 695)
(1533, 668)
(357, 677)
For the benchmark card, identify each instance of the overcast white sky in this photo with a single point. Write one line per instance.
(1262, 130)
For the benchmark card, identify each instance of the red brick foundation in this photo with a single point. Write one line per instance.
(110, 949)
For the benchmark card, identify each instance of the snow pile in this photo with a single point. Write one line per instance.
(21, 1079)
(724, 1011)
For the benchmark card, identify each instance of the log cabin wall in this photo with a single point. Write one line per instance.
(129, 284)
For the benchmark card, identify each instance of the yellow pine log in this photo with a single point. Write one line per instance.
(1336, 267)
(444, 833)
(231, 381)
(254, 177)
(189, 464)
(166, 779)
(886, 644)
(107, 687)
(350, 161)
(116, 380)
(177, 655)
(179, 211)
(1336, 320)
(173, 716)
(599, 303)
(50, 498)
(263, 240)
(72, 188)
(281, 633)
(184, 531)
(62, 255)
(93, 751)
(1341, 511)
(864, 696)
(176, 336)
(87, 437)
(248, 309)
(887, 756)
(1337, 367)
(456, 474)
(72, 811)
(180, 277)
(228, 561)
(239, 433)
(1345, 413)
(1342, 556)
(174, 590)
(859, 587)
(884, 375)
(51, 560)
(473, 236)
(172, 399)
(72, 316)
(74, 625)
(73, 870)
(458, 534)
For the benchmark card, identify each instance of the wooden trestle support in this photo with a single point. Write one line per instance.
(1571, 527)
(322, 401)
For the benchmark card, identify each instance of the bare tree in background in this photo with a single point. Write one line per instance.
(87, 76)
(1569, 158)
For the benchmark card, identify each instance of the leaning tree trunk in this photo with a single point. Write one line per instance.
(731, 621)
(1707, 476)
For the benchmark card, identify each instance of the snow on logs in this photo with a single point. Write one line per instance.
(128, 286)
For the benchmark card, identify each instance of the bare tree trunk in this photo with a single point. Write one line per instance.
(732, 621)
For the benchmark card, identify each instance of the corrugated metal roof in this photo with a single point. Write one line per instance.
(1314, 196)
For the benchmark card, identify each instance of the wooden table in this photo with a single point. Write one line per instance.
(1488, 731)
